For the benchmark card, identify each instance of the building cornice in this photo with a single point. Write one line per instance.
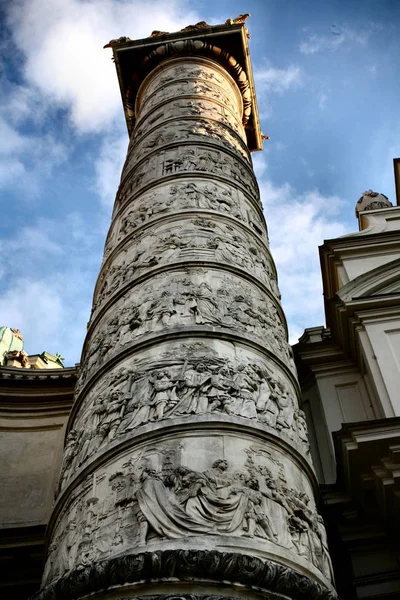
(133, 60)
(35, 391)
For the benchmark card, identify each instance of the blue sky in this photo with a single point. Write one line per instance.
(327, 87)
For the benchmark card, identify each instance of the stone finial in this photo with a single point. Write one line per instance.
(200, 25)
(239, 19)
(17, 358)
(371, 200)
(121, 40)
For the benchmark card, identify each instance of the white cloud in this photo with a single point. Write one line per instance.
(66, 68)
(278, 80)
(108, 165)
(271, 80)
(280, 146)
(298, 224)
(322, 100)
(21, 102)
(49, 312)
(47, 280)
(63, 41)
(11, 140)
(22, 165)
(65, 73)
(338, 37)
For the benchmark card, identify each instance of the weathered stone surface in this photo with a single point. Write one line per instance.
(187, 433)
(187, 379)
(181, 238)
(195, 566)
(193, 486)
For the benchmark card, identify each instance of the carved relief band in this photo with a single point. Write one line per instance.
(186, 194)
(188, 298)
(187, 379)
(187, 454)
(184, 237)
(180, 159)
(206, 484)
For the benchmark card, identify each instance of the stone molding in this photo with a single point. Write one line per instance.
(187, 422)
(184, 175)
(379, 281)
(170, 268)
(37, 374)
(166, 177)
(180, 334)
(197, 47)
(153, 110)
(156, 431)
(226, 129)
(196, 566)
(260, 243)
(185, 72)
(170, 218)
(244, 216)
(186, 596)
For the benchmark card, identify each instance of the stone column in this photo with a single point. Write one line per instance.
(187, 465)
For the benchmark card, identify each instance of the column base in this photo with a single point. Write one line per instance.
(165, 575)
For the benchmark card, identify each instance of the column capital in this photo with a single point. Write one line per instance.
(226, 44)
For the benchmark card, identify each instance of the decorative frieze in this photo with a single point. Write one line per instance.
(187, 194)
(207, 484)
(189, 238)
(188, 297)
(182, 159)
(187, 432)
(186, 379)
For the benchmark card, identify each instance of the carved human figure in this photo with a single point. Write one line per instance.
(206, 162)
(285, 417)
(300, 521)
(220, 384)
(102, 343)
(193, 397)
(161, 310)
(188, 160)
(204, 306)
(216, 500)
(243, 403)
(128, 223)
(69, 452)
(49, 572)
(67, 548)
(129, 321)
(302, 428)
(162, 393)
(140, 257)
(142, 403)
(114, 413)
(325, 562)
(96, 435)
(278, 510)
(170, 245)
(161, 513)
(267, 402)
(230, 250)
(258, 523)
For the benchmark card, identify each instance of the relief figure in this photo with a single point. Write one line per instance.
(161, 512)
